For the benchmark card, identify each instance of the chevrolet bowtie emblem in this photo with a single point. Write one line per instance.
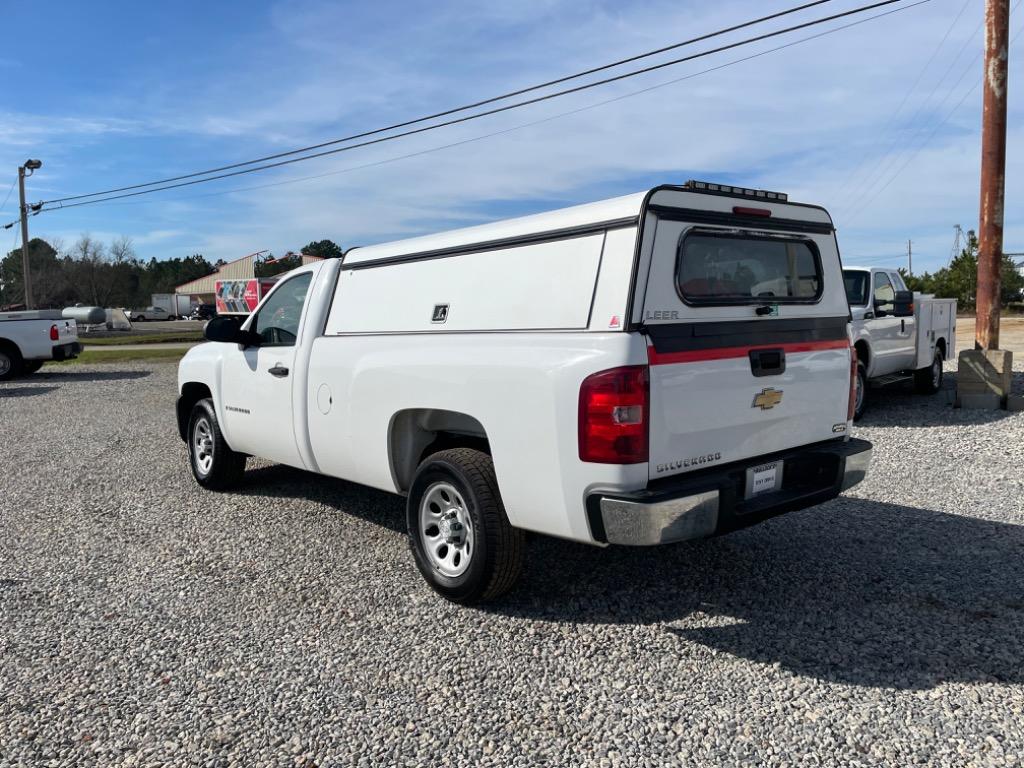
(767, 398)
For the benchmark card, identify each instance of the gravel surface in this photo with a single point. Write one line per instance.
(146, 622)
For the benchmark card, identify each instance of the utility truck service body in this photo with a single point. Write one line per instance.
(897, 334)
(663, 366)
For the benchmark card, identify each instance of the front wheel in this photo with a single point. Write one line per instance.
(928, 381)
(860, 398)
(214, 464)
(460, 536)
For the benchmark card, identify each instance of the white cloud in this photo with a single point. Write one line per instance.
(801, 120)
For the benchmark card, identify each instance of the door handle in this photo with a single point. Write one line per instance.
(278, 370)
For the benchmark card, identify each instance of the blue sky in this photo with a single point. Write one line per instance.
(114, 93)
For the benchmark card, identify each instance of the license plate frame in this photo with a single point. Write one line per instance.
(763, 478)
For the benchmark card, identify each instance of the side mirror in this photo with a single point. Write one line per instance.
(904, 304)
(228, 329)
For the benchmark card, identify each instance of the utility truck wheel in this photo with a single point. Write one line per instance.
(214, 464)
(32, 366)
(927, 381)
(459, 534)
(10, 362)
(860, 398)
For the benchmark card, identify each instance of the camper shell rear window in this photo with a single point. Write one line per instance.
(724, 268)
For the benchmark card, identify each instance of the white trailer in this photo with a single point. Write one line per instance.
(177, 305)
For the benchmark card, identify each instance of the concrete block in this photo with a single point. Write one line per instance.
(984, 371)
(1015, 402)
(980, 402)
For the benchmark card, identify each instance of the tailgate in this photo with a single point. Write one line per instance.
(748, 331)
(716, 397)
(67, 332)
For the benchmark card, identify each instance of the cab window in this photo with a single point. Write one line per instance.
(884, 295)
(277, 322)
(856, 282)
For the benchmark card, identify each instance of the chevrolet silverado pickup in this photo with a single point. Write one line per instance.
(668, 365)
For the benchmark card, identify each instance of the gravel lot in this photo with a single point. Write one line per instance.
(145, 622)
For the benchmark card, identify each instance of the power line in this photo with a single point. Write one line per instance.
(934, 129)
(890, 123)
(455, 110)
(885, 160)
(9, 191)
(531, 123)
(475, 116)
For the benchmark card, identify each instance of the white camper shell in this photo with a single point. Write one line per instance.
(661, 366)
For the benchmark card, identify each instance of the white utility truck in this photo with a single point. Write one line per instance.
(663, 366)
(897, 334)
(30, 338)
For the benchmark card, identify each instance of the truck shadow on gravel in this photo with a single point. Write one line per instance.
(47, 374)
(278, 481)
(855, 591)
(24, 391)
(898, 403)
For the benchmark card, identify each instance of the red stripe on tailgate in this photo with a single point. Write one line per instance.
(724, 353)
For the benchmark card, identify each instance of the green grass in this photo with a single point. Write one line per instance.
(123, 355)
(147, 338)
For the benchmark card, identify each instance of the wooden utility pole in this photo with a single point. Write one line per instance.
(26, 275)
(993, 173)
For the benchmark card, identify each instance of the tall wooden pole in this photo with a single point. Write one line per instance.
(993, 173)
(26, 275)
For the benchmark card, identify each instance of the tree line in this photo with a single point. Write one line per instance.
(94, 273)
(959, 280)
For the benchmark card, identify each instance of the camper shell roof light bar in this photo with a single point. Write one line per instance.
(726, 189)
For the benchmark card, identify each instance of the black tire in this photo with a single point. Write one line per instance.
(220, 468)
(928, 381)
(31, 366)
(10, 362)
(497, 555)
(861, 402)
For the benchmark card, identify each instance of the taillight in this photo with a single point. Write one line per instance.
(614, 414)
(54, 333)
(853, 384)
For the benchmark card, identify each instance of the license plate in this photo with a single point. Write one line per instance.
(764, 479)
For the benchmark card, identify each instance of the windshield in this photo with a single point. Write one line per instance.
(856, 282)
(726, 268)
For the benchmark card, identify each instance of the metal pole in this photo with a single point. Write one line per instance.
(993, 173)
(26, 276)
(910, 259)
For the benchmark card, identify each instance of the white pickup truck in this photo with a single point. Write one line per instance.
(668, 365)
(30, 338)
(897, 334)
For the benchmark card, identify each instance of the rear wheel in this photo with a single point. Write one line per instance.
(214, 464)
(927, 381)
(860, 399)
(10, 362)
(460, 536)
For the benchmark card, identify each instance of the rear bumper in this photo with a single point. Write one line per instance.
(711, 502)
(66, 351)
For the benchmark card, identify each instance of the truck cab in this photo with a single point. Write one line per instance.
(897, 334)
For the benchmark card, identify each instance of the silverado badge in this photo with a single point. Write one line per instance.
(767, 398)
